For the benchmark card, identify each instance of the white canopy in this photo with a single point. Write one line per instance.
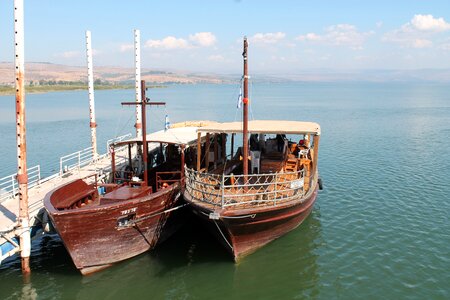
(264, 126)
(180, 134)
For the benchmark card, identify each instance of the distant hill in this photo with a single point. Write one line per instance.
(39, 72)
(48, 72)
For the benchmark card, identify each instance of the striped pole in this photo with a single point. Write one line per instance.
(92, 123)
(137, 83)
(22, 176)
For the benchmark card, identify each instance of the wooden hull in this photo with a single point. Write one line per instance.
(243, 231)
(95, 238)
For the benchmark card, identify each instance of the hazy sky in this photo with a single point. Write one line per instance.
(285, 36)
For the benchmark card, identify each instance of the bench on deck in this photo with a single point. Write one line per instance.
(71, 193)
(127, 192)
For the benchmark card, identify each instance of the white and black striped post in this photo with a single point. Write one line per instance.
(22, 176)
(137, 73)
(92, 123)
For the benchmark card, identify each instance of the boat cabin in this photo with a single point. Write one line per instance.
(282, 163)
(169, 151)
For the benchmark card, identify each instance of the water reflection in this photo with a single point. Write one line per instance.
(284, 269)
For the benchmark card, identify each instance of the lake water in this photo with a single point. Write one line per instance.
(380, 227)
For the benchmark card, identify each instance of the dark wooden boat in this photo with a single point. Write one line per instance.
(247, 203)
(105, 221)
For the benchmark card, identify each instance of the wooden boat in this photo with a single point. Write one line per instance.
(247, 203)
(103, 223)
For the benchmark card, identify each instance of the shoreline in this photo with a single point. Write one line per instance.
(9, 90)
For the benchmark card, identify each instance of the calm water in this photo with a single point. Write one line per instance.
(380, 228)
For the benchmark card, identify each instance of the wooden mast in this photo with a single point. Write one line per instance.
(245, 114)
(144, 102)
(22, 176)
(144, 132)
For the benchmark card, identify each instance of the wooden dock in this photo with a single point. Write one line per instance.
(9, 204)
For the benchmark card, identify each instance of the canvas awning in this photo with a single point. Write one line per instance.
(179, 136)
(264, 126)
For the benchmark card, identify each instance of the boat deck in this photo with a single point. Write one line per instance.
(279, 181)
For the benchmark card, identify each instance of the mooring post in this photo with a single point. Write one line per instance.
(22, 176)
(137, 83)
(90, 70)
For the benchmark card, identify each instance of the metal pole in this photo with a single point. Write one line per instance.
(144, 132)
(216, 149)
(137, 84)
(199, 150)
(222, 187)
(245, 115)
(208, 144)
(113, 163)
(316, 154)
(144, 103)
(93, 125)
(182, 161)
(232, 145)
(22, 176)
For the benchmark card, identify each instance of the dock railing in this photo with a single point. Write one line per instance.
(230, 190)
(8, 184)
(116, 139)
(9, 187)
(75, 160)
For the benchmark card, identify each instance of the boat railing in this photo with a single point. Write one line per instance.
(164, 179)
(231, 190)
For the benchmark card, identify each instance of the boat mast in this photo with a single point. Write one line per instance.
(92, 123)
(143, 103)
(22, 176)
(245, 117)
(144, 131)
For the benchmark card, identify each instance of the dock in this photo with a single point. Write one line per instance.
(80, 164)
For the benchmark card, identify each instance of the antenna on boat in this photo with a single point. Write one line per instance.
(245, 114)
(143, 103)
(22, 176)
(90, 70)
(137, 82)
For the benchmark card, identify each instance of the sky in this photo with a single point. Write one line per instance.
(206, 36)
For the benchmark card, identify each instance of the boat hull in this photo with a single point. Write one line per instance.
(98, 237)
(245, 231)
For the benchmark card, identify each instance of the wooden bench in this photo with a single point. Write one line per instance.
(71, 193)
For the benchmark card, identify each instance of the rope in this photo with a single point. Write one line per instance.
(117, 131)
(228, 243)
(133, 222)
(241, 217)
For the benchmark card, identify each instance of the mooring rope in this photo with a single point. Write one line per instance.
(241, 217)
(228, 243)
(133, 222)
